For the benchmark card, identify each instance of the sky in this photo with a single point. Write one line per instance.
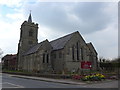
(97, 22)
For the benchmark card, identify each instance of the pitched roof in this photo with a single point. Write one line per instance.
(90, 45)
(34, 48)
(60, 42)
(56, 44)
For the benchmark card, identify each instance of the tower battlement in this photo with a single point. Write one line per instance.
(30, 24)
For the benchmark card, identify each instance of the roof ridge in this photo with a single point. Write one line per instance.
(60, 42)
(35, 47)
(90, 43)
(42, 41)
(63, 36)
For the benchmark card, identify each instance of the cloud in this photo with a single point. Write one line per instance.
(97, 22)
(46, 33)
(86, 17)
(105, 41)
(10, 30)
(11, 3)
(9, 36)
(15, 16)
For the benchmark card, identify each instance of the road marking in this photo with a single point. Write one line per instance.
(10, 75)
(19, 86)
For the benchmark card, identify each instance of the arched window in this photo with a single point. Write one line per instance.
(73, 57)
(43, 58)
(31, 33)
(82, 53)
(60, 54)
(47, 57)
(77, 44)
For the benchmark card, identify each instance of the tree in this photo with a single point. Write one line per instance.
(1, 52)
(109, 65)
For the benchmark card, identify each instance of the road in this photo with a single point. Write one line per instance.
(8, 81)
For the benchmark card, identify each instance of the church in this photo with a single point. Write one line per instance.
(62, 54)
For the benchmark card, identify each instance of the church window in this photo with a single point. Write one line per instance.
(31, 33)
(43, 58)
(68, 50)
(82, 53)
(77, 51)
(60, 55)
(73, 53)
(54, 55)
(47, 58)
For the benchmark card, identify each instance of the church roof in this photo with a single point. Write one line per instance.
(34, 48)
(90, 45)
(60, 42)
(56, 44)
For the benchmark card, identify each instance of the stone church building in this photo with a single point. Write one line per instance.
(63, 54)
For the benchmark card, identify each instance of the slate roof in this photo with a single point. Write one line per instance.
(34, 48)
(60, 42)
(56, 44)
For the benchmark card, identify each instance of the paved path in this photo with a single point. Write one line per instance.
(17, 81)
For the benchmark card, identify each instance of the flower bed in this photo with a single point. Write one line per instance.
(77, 77)
(93, 77)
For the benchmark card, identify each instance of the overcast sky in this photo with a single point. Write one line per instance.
(97, 22)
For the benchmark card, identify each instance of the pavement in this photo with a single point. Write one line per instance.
(21, 81)
(64, 81)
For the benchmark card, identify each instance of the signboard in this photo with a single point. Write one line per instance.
(86, 65)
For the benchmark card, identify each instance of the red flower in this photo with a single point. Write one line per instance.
(78, 77)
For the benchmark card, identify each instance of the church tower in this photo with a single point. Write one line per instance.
(28, 38)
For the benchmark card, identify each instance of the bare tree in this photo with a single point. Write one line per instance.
(1, 52)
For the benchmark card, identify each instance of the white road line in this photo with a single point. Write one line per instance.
(13, 85)
(10, 75)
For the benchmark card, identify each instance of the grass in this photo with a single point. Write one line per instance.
(16, 71)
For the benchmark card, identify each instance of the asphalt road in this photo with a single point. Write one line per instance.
(13, 82)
